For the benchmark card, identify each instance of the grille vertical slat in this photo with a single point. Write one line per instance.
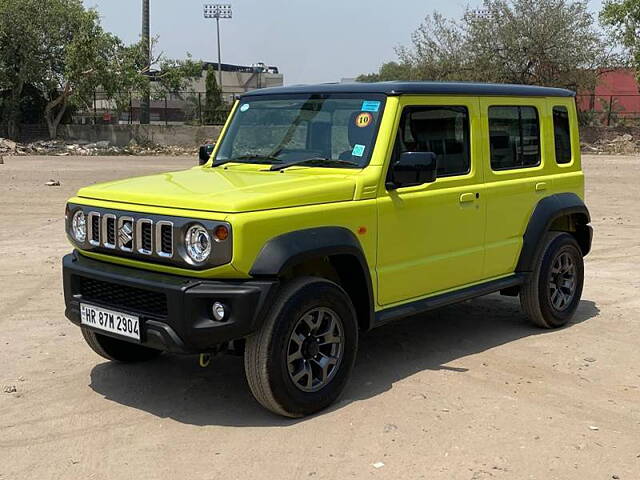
(109, 231)
(94, 229)
(146, 237)
(166, 239)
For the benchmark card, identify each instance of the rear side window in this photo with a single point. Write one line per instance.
(443, 130)
(562, 134)
(514, 136)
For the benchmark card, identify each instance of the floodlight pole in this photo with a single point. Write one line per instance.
(218, 11)
(219, 54)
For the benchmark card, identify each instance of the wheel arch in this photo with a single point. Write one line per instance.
(305, 251)
(564, 212)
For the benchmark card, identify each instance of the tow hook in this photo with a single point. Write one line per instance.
(205, 359)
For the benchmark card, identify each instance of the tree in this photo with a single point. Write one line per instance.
(539, 42)
(213, 102)
(389, 71)
(623, 17)
(60, 48)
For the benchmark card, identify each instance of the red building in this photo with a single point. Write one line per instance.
(617, 89)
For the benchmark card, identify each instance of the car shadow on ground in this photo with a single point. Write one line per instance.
(177, 387)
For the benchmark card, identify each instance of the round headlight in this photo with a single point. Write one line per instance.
(198, 243)
(79, 226)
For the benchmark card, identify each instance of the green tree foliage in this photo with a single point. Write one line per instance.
(60, 48)
(389, 71)
(623, 17)
(538, 42)
(213, 107)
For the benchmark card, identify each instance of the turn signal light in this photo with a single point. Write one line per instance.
(221, 233)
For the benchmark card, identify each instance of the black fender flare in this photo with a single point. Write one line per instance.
(284, 251)
(546, 212)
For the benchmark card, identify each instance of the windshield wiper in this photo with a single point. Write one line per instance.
(254, 159)
(315, 160)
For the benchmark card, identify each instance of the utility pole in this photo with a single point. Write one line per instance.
(218, 11)
(145, 104)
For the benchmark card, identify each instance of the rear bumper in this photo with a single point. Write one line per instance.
(175, 312)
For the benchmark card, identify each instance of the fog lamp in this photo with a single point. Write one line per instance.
(218, 310)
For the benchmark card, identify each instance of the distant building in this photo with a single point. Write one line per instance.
(238, 79)
(616, 88)
(185, 106)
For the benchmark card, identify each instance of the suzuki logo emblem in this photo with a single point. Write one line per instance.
(126, 233)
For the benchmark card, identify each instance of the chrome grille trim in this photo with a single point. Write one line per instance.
(139, 236)
(165, 253)
(107, 220)
(91, 233)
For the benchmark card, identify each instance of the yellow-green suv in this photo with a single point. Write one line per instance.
(325, 211)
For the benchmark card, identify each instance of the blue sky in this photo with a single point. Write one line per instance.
(309, 40)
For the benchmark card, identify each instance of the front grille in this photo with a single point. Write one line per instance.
(147, 237)
(126, 298)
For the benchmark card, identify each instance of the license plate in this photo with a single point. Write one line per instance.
(110, 321)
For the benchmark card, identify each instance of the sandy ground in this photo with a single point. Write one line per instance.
(468, 392)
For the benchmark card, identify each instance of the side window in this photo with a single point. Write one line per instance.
(442, 130)
(562, 134)
(514, 137)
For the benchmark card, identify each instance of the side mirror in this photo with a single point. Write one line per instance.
(205, 153)
(412, 169)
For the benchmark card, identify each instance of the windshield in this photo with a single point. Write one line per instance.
(327, 130)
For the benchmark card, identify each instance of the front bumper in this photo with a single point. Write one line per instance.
(175, 312)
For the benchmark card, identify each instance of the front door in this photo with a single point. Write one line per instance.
(431, 237)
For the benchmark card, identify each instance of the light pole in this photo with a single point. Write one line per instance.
(218, 11)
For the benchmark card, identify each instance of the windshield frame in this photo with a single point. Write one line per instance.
(232, 126)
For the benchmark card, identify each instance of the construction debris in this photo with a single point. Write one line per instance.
(101, 148)
(620, 145)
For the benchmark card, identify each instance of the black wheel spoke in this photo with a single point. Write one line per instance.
(315, 349)
(562, 282)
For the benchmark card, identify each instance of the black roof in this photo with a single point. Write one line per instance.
(423, 88)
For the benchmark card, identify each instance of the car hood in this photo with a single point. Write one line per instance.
(232, 190)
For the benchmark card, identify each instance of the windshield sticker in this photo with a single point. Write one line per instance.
(244, 107)
(358, 150)
(364, 120)
(370, 106)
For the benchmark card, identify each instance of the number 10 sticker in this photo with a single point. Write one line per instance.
(364, 120)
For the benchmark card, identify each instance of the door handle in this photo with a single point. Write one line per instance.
(467, 197)
(541, 186)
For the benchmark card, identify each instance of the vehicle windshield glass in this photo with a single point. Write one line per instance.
(283, 129)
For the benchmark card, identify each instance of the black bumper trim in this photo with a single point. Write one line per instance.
(188, 326)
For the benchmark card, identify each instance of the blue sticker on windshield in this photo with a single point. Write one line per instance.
(370, 106)
(244, 107)
(358, 150)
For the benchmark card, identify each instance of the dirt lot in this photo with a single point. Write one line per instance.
(469, 392)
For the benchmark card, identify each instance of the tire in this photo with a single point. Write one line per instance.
(118, 350)
(282, 371)
(552, 294)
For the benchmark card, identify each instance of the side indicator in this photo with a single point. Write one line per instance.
(362, 230)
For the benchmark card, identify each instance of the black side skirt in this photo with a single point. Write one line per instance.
(420, 306)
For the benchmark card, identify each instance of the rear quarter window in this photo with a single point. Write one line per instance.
(562, 135)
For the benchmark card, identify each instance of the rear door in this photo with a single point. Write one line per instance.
(431, 236)
(517, 143)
